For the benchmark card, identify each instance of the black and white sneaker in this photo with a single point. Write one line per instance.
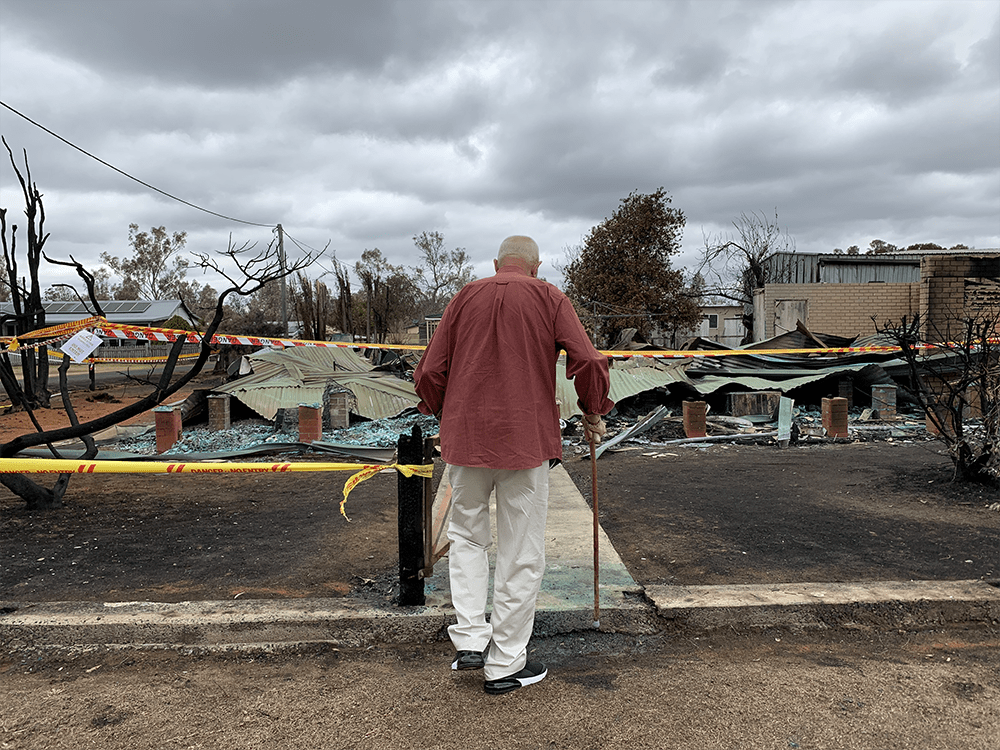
(468, 660)
(533, 672)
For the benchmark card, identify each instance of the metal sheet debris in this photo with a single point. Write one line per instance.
(285, 379)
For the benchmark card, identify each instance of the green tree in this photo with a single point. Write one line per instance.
(199, 298)
(880, 247)
(442, 273)
(257, 314)
(389, 293)
(153, 270)
(622, 272)
(69, 293)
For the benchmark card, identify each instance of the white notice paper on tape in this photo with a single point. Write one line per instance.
(81, 346)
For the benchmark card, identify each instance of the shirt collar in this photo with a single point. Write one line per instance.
(512, 269)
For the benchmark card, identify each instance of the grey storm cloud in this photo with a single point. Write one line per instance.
(364, 124)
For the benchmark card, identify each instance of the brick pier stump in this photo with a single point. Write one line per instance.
(694, 418)
(835, 417)
(884, 401)
(310, 423)
(845, 389)
(944, 418)
(168, 427)
(218, 412)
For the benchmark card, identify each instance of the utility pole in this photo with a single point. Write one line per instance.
(368, 307)
(284, 287)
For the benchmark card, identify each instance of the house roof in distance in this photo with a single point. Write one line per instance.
(132, 312)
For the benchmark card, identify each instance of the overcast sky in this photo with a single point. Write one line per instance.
(362, 124)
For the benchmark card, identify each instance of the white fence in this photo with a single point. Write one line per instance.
(120, 350)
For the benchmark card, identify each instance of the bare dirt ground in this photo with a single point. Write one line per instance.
(175, 538)
(823, 512)
(726, 691)
(114, 391)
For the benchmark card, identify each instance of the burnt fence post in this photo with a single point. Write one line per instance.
(410, 499)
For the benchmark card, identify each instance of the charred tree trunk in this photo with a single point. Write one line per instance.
(26, 293)
(257, 271)
(945, 374)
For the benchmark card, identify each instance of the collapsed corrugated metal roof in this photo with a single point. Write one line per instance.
(285, 379)
(627, 379)
(801, 338)
(749, 369)
(750, 366)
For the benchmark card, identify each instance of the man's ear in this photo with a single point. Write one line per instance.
(496, 266)
(534, 271)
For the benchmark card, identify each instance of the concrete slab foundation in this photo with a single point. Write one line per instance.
(892, 604)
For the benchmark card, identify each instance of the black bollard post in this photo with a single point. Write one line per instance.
(410, 499)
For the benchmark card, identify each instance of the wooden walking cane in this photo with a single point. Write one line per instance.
(597, 553)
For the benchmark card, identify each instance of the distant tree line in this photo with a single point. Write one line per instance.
(24, 366)
(386, 300)
(881, 247)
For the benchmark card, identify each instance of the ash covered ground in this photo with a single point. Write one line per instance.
(251, 433)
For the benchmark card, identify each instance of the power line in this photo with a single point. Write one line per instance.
(303, 246)
(615, 308)
(126, 174)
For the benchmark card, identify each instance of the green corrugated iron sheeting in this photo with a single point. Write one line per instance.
(625, 382)
(285, 379)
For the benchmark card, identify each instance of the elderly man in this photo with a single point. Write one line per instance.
(489, 375)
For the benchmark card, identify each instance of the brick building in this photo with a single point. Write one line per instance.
(840, 294)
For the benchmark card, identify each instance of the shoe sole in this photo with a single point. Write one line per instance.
(507, 685)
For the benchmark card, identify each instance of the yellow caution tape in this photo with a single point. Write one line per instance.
(134, 360)
(103, 326)
(71, 327)
(70, 466)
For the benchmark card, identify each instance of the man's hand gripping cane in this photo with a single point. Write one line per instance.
(594, 428)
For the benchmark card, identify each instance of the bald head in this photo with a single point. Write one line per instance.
(519, 251)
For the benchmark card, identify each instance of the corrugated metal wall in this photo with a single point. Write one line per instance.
(808, 268)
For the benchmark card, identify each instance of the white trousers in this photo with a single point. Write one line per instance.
(522, 502)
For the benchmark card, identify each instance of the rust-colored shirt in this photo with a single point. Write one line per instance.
(490, 370)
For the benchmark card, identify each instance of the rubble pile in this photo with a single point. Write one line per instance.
(666, 427)
(248, 434)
